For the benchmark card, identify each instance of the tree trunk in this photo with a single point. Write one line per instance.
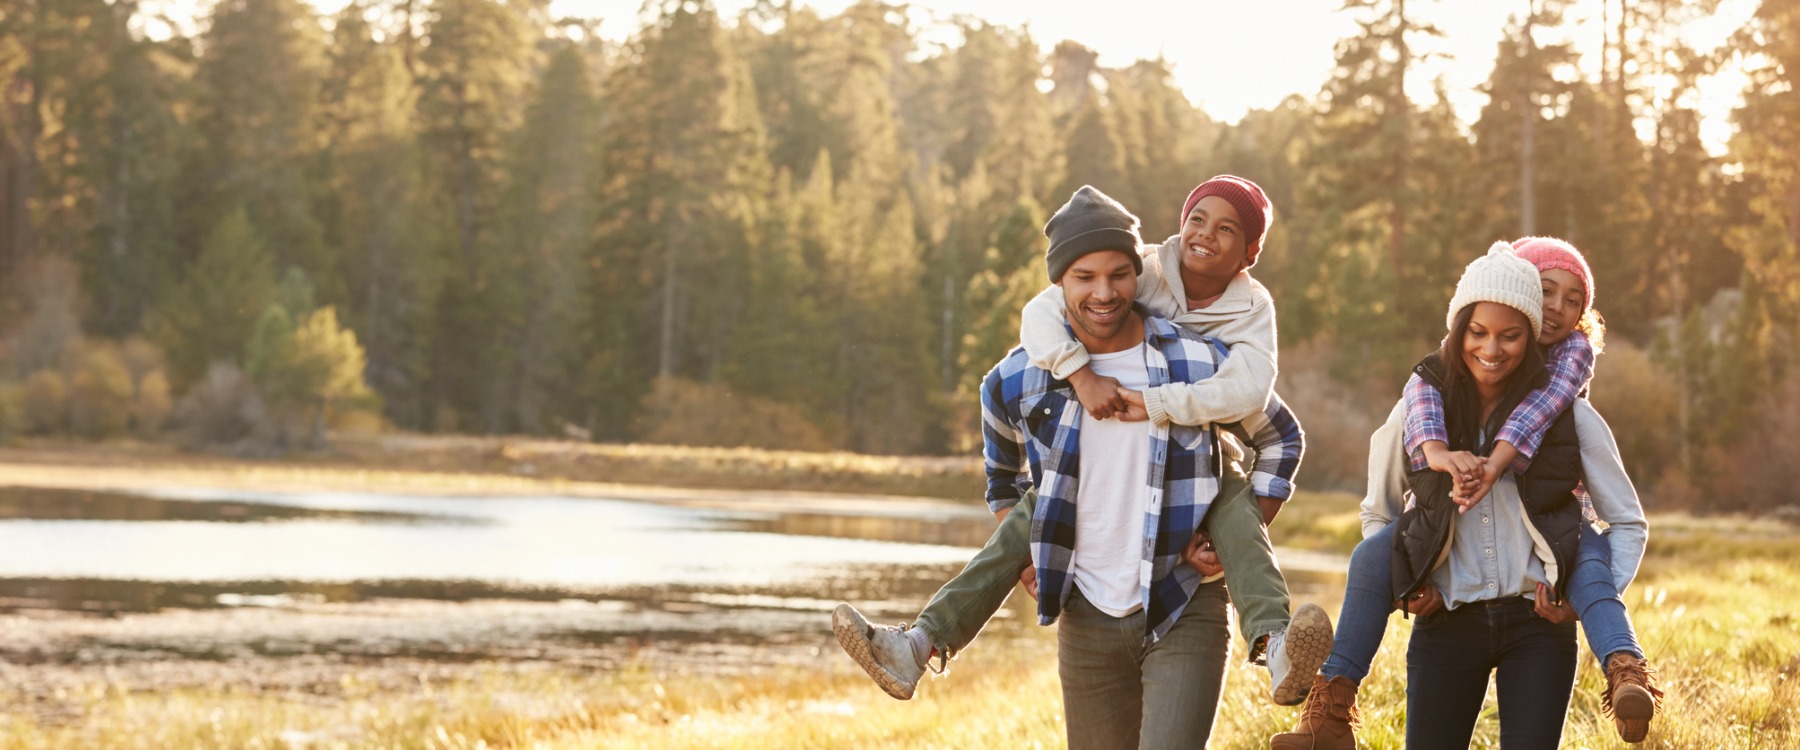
(1528, 131)
(1402, 112)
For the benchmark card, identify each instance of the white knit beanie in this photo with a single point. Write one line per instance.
(1504, 277)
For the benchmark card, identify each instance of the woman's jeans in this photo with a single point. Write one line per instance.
(1454, 651)
(1369, 599)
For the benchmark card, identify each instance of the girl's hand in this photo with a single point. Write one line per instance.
(1467, 495)
(1464, 468)
(1555, 612)
(1028, 579)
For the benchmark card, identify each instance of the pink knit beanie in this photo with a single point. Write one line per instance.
(1252, 207)
(1549, 252)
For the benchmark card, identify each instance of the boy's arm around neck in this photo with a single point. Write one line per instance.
(1245, 381)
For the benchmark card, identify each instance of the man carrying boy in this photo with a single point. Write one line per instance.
(1119, 566)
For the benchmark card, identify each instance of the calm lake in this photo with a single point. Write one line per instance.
(320, 577)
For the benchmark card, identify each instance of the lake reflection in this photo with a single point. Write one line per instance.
(517, 542)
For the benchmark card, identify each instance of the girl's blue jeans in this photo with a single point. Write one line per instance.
(1369, 599)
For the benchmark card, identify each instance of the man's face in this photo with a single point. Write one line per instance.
(1097, 292)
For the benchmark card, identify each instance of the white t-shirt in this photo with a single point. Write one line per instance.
(1110, 496)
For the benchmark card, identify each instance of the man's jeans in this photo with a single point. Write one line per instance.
(1451, 656)
(1119, 692)
(1369, 599)
(959, 610)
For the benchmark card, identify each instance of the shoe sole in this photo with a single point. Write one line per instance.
(1308, 644)
(1632, 711)
(852, 633)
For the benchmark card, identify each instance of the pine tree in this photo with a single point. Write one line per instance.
(213, 310)
(376, 209)
(545, 222)
(259, 85)
(683, 169)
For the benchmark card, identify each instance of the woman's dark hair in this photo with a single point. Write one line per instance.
(1462, 403)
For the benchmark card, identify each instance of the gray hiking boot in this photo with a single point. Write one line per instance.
(1295, 654)
(884, 651)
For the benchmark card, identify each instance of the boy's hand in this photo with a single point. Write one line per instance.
(1028, 579)
(1135, 410)
(1423, 602)
(1201, 556)
(1098, 394)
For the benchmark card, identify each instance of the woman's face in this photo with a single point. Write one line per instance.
(1212, 240)
(1563, 294)
(1494, 344)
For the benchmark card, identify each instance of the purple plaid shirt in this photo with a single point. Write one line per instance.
(1571, 365)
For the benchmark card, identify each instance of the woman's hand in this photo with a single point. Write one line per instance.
(1554, 611)
(1201, 556)
(1028, 579)
(1423, 602)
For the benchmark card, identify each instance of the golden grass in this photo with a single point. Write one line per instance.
(1711, 606)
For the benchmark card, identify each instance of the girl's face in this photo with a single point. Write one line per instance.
(1563, 294)
(1212, 240)
(1494, 344)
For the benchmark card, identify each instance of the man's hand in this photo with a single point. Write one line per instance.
(1554, 611)
(1134, 410)
(1201, 556)
(1098, 394)
(1423, 602)
(1028, 579)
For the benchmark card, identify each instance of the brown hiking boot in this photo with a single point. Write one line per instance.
(1631, 696)
(1327, 721)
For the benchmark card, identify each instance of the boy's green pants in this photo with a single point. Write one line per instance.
(959, 610)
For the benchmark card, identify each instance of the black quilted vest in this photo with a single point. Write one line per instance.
(1547, 490)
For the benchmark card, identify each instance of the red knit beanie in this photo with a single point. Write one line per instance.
(1549, 252)
(1252, 207)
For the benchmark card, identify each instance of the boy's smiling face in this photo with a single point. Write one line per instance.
(1213, 248)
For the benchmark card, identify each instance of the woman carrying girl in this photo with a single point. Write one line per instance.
(1520, 554)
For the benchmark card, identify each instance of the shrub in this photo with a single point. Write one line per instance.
(46, 403)
(222, 408)
(150, 409)
(683, 412)
(100, 390)
(1338, 417)
(1639, 399)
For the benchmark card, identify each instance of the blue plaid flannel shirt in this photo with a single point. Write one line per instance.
(1571, 365)
(1031, 426)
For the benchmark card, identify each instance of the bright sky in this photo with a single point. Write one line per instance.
(1275, 47)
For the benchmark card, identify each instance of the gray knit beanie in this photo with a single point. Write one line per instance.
(1500, 276)
(1090, 222)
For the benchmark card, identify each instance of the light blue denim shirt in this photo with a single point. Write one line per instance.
(1491, 555)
